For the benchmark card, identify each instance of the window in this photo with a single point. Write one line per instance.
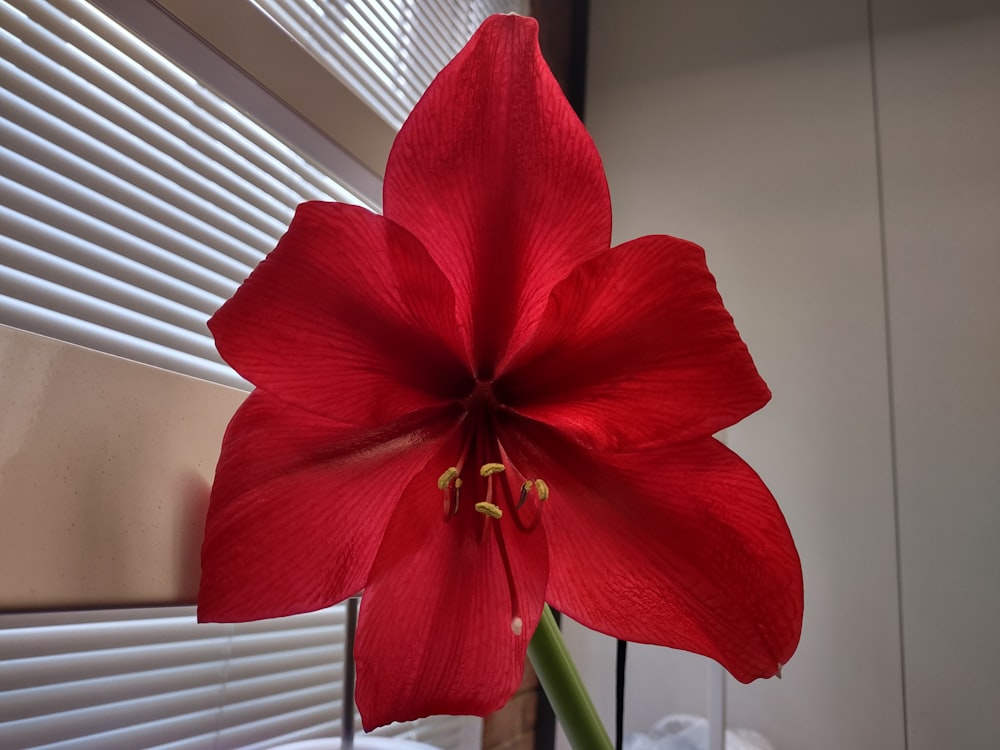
(388, 51)
(136, 200)
(140, 679)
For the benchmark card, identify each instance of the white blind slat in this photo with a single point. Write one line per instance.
(31, 260)
(261, 636)
(388, 51)
(54, 88)
(90, 268)
(69, 302)
(130, 248)
(59, 185)
(183, 202)
(56, 325)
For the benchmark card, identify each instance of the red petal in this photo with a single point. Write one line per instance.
(682, 546)
(435, 635)
(636, 346)
(299, 506)
(347, 317)
(498, 178)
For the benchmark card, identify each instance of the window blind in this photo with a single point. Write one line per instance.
(126, 679)
(388, 51)
(136, 199)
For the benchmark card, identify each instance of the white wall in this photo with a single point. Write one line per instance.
(939, 108)
(752, 129)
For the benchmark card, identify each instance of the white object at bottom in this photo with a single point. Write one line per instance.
(360, 743)
(684, 732)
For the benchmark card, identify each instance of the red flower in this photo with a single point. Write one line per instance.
(471, 405)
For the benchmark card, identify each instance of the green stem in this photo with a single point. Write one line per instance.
(564, 689)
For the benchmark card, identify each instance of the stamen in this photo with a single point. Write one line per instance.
(542, 488)
(489, 509)
(515, 507)
(488, 470)
(445, 479)
(517, 625)
(450, 483)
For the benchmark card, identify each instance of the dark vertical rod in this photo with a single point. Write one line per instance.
(620, 653)
(347, 705)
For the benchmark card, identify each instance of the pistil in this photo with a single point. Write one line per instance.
(516, 623)
(497, 500)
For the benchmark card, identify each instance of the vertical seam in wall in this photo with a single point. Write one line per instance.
(880, 185)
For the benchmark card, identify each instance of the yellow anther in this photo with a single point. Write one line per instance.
(458, 483)
(542, 488)
(490, 469)
(517, 625)
(489, 509)
(445, 479)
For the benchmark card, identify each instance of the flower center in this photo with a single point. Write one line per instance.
(482, 400)
(500, 509)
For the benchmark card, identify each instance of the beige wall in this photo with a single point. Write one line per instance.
(751, 128)
(105, 471)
